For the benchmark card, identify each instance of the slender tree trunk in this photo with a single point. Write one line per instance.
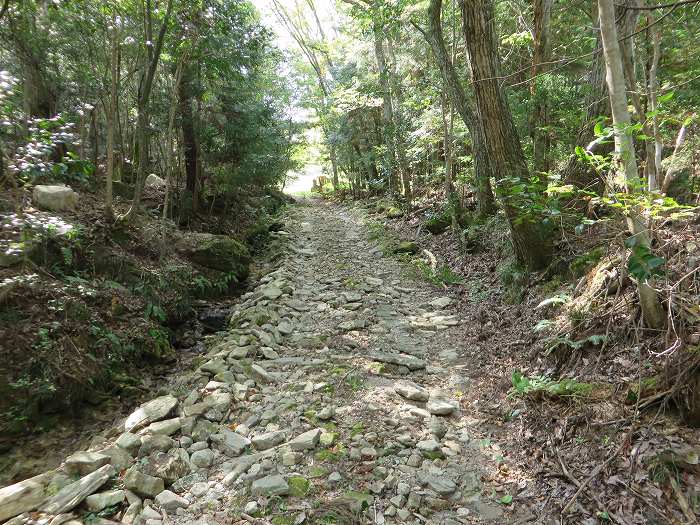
(189, 139)
(654, 181)
(482, 168)
(530, 244)
(627, 49)
(671, 172)
(388, 128)
(111, 114)
(627, 175)
(542, 10)
(452, 198)
(171, 136)
(152, 57)
(399, 125)
(597, 104)
(95, 137)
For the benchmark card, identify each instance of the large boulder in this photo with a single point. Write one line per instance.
(54, 198)
(217, 252)
(154, 181)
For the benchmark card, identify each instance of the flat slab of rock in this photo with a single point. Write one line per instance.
(441, 302)
(440, 484)
(23, 496)
(154, 410)
(102, 500)
(306, 441)
(412, 391)
(410, 362)
(73, 495)
(167, 427)
(260, 375)
(170, 502)
(271, 292)
(274, 485)
(441, 407)
(143, 484)
(428, 445)
(83, 463)
(268, 440)
(229, 442)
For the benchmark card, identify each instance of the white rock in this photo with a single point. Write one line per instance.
(154, 410)
(202, 458)
(270, 486)
(82, 463)
(412, 391)
(102, 500)
(54, 198)
(268, 440)
(306, 441)
(441, 302)
(167, 427)
(229, 442)
(170, 502)
(441, 407)
(155, 181)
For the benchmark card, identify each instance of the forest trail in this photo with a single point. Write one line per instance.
(335, 393)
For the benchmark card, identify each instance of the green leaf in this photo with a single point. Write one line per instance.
(506, 500)
(599, 129)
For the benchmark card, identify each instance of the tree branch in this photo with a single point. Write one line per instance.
(653, 7)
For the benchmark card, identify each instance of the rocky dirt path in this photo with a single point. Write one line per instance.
(334, 397)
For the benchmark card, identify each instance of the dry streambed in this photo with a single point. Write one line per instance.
(332, 398)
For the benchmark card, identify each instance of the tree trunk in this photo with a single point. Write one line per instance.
(388, 128)
(452, 199)
(542, 10)
(597, 104)
(190, 148)
(39, 98)
(111, 114)
(399, 126)
(532, 248)
(654, 181)
(151, 65)
(452, 85)
(626, 171)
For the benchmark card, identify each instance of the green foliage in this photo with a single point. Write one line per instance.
(586, 262)
(542, 386)
(642, 264)
(556, 343)
(442, 275)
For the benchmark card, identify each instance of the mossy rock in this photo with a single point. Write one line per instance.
(394, 213)
(298, 486)
(218, 252)
(407, 247)
(438, 224)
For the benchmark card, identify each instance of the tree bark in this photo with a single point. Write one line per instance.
(185, 93)
(399, 125)
(626, 162)
(388, 128)
(531, 247)
(542, 13)
(452, 85)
